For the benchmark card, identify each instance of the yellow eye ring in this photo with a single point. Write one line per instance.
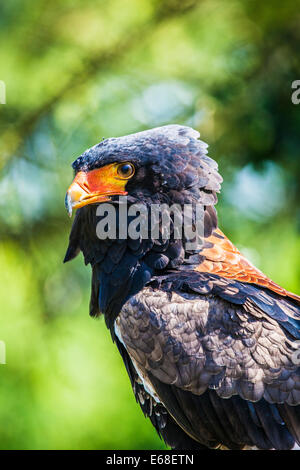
(125, 170)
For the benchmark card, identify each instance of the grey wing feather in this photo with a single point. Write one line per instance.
(202, 342)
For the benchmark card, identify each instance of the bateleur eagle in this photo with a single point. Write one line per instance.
(210, 344)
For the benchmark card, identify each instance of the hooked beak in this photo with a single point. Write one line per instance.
(77, 197)
(93, 187)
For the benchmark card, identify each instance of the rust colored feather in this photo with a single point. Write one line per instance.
(225, 260)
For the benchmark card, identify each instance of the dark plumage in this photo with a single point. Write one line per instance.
(208, 341)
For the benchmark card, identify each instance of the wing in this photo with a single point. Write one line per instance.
(224, 364)
(165, 425)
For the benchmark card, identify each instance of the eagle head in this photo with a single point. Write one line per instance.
(167, 163)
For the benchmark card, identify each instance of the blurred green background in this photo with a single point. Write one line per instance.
(75, 72)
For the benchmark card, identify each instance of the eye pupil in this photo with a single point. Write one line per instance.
(126, 169)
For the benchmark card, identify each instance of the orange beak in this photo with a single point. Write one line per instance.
(93, 187)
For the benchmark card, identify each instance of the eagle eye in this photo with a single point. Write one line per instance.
(125, 170)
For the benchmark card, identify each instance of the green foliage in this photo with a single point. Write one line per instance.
(77, 71)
